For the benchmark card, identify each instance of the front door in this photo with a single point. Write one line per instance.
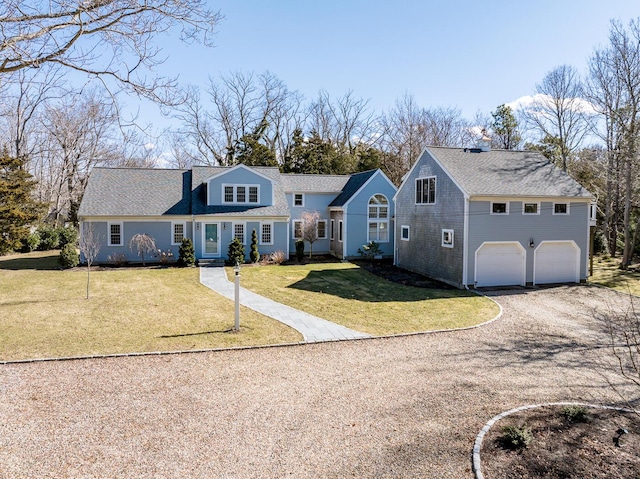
(210, 240)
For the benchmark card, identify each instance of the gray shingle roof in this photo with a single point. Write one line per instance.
(299, 183)
(137, 192)
(507, 173)
(353, 185)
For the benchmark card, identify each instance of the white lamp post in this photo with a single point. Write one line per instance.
(236, 270)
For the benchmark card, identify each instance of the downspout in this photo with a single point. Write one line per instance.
(465, 246)
(344, 234)
(288, 237)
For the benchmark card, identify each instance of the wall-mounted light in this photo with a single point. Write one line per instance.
(198, 226)
(531, 243)
(224, 225)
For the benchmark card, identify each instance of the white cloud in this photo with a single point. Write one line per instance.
(527, 102)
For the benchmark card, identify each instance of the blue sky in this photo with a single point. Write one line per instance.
(458, 53)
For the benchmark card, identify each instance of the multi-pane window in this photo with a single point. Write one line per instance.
(178, 233)
(265, 233)
(426, 190)
(499, 208)
(404, 233)
(560, 208)
(447, 238)
(322, 229)
(115, 234)
(298, 199)
(530, 208)
(238, 231)
(241, 194)
(378, 219)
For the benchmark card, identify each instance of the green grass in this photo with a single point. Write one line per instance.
(44, 313)
(348, 295)
(606, 272)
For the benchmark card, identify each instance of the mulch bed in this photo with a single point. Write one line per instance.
(387, 270)
(562, 448)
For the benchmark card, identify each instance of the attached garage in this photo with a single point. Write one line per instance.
(556, 262)
(500, 264)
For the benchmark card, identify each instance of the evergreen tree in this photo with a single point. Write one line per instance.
(18, 209)
(254, 253)
(236, 252)
(505, 128)
(186, 253)
(251, 152)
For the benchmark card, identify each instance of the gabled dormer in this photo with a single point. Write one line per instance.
(239, 186)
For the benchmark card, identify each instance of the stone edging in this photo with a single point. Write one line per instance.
(480, 437)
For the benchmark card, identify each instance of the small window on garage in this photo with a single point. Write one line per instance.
(531, 208)
(499, 208)
(404, 233)
(561, 208)
(447, 238)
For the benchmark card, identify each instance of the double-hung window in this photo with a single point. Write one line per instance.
(298, 199)
(426, 190)
(266, 233)
(242, 194)
(322, 229)
(238, 231)
(378, 219)
(115, 234)
(297, 229)
(561, 208)
(177, 233)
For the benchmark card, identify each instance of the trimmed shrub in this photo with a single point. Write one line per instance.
(33, 241)
(236, 252)
(68, 257)
(67, 236)
(186, 253)
(254, 254)
(49, 238)
(299, 250)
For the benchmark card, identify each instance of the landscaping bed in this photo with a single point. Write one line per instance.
(565, 445)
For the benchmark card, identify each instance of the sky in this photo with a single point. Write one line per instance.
(465, 54)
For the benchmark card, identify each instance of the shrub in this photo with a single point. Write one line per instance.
(186, 253)
(165, 256)
(277, 257)
(254, 254)
(370, 250)
(299, 250)
(49, 238)
(575, 413)
(516, 437)
(142, 243)
(117, 259)
(33, 241)
(68, 257)
(236, 252)
(67, 236)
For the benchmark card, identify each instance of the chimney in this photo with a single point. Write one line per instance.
(484, 143)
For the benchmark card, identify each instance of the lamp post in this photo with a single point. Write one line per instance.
(236, 270)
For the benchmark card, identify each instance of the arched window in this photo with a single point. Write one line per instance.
(378, 219)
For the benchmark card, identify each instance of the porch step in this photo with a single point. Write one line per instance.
(211, 262)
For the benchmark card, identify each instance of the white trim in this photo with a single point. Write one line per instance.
(366, 183)
(203, 229)
(325, 229)
(244, 231)
(446, 232)
(577, 258)
(293, 230)
(538, 207)
(270, 224)
(465, 244)
(332, 229)
(435, 188)
(242, 166)
(408, 228)
(553, 208)
(341, 233)
(235, 187)
(506, 213)
(293, 203)
(119, 223)
(173, 231)
(522, 249)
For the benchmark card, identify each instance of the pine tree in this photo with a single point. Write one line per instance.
(18, 208)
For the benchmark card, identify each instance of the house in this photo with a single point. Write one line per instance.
(212, 205)
(477, 218)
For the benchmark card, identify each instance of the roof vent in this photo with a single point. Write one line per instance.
(484, 143)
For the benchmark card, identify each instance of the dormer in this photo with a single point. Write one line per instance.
(239, 186)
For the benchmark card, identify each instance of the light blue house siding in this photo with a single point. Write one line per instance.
(160, 230)
(239, 176)
(312, 202)
(423, 251)
(357, 218)
(527, 228)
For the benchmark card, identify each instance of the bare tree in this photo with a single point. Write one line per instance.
(108, 39)
(89, 244)
(142, 243)
(559, 111)
(309, 228)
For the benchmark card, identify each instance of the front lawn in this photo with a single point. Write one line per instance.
(606, 272)
(44, 313)
(349, 295)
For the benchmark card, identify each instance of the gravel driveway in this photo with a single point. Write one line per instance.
(397, 407)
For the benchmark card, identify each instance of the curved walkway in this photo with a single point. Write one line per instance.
(312, 328)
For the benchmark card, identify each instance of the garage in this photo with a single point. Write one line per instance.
(556, 262)
(500, 264)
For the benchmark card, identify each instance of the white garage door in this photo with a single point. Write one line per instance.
(556, 262)
(500, 264)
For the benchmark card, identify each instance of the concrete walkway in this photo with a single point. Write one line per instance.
(312, 328)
